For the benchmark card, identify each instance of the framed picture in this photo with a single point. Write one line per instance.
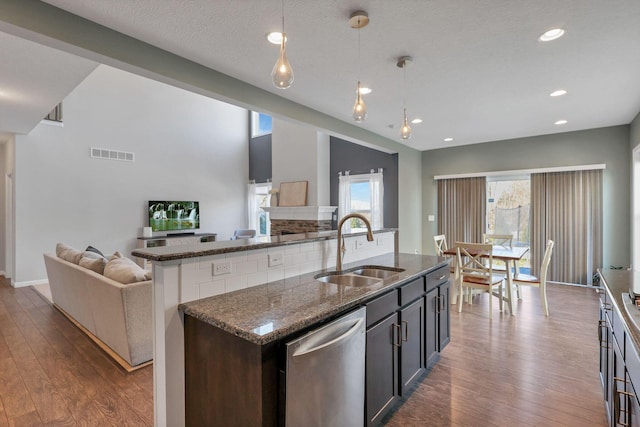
(293, 193)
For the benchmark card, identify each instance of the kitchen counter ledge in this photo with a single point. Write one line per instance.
(266, 313)
(169, 253)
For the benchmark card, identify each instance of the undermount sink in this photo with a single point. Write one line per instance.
(362, 276)
(349, 280)
(380, 273)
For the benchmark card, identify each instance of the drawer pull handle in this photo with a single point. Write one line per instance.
(397, 329)
(606, 305)
(406, 331)
(444, 276)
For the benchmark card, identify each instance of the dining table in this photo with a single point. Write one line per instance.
(510, 255)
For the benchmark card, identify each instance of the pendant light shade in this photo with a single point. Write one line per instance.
(405, 130)
(359, 109)
(282, 74)
(359, 20)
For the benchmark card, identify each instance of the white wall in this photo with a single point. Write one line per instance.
(186, 147)
(295, 156)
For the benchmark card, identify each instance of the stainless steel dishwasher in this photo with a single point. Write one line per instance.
(325, 374)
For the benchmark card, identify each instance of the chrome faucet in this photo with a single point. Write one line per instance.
(341, 248)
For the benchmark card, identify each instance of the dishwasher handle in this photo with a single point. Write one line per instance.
(354, 329)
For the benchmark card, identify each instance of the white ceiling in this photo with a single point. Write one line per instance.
(479, 74)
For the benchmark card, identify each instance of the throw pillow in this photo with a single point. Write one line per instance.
(92, 249)
(68, 253)
(93, 255)
(124, 270)
(96, 264)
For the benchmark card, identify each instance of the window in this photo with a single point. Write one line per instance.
(508, 203)
(261, 124)
(361, 194)
(259, 198)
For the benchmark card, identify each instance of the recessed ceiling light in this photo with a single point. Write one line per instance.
(559, 92)
(365, 90)
(561, 122)
(448, 139)
(550, 35)
(275, 37)
(416, 121)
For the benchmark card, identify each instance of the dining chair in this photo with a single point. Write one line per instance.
(475, 267)
(506, 241)
(440, 244)
(541, 282)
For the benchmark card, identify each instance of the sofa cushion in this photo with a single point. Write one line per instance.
(94, 250)
(124, 270)
(93, 263)
(68, 253)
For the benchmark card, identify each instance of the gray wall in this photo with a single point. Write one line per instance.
(186, 146)
(357, 159)
(606, 145)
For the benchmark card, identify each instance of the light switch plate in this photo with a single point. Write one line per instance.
(431, 218)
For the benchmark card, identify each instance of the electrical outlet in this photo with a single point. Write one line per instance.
(221, 267)
(359, 244)
(379, 241)
(275, 260)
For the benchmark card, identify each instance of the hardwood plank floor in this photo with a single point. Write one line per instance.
(52, 374)
(526, 370)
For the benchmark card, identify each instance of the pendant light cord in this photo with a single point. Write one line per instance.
(359, 67)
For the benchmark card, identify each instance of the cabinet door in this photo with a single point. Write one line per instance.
(412, 348)
(634, 405)
(383, 341)
(617, 384)
(603, 338)
(431, 345)
(444, 330)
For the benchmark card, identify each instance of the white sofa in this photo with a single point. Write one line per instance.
(119, 315)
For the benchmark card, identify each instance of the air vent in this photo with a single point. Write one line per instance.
(104, 153)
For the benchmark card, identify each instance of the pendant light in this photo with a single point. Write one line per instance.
(282, 74)
(358, 20)
(405, 130)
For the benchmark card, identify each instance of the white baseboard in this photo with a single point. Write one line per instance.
(2, 273)
(29, 283)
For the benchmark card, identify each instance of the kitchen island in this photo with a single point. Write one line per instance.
(201, 270)
(234, 342)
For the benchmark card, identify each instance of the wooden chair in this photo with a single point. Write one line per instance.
(440, 244)
(504, 240)
(529, 280)
(475, 267)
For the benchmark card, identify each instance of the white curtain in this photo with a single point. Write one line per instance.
(377, 196)
(344, 198)
(252, 207)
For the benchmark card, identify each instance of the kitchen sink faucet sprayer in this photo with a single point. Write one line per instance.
(341, 248)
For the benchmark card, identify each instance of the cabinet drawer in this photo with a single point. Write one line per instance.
(437, 277)
(381, 307)
(411, 291)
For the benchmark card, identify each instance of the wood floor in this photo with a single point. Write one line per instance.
(526, 370)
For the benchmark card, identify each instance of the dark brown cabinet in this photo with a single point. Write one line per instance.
(438, 332)
(619, 366)
(407, 329)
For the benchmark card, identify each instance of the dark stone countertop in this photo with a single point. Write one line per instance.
(168, 253)
(617, 282)
(266, 313)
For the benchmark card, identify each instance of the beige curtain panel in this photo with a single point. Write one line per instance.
(461, 209)
(566, 207)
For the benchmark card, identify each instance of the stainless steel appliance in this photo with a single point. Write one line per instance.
(325, 374)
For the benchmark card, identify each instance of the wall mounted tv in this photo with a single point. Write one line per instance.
(174, 216)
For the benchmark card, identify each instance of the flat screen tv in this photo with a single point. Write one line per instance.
(174, 216)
